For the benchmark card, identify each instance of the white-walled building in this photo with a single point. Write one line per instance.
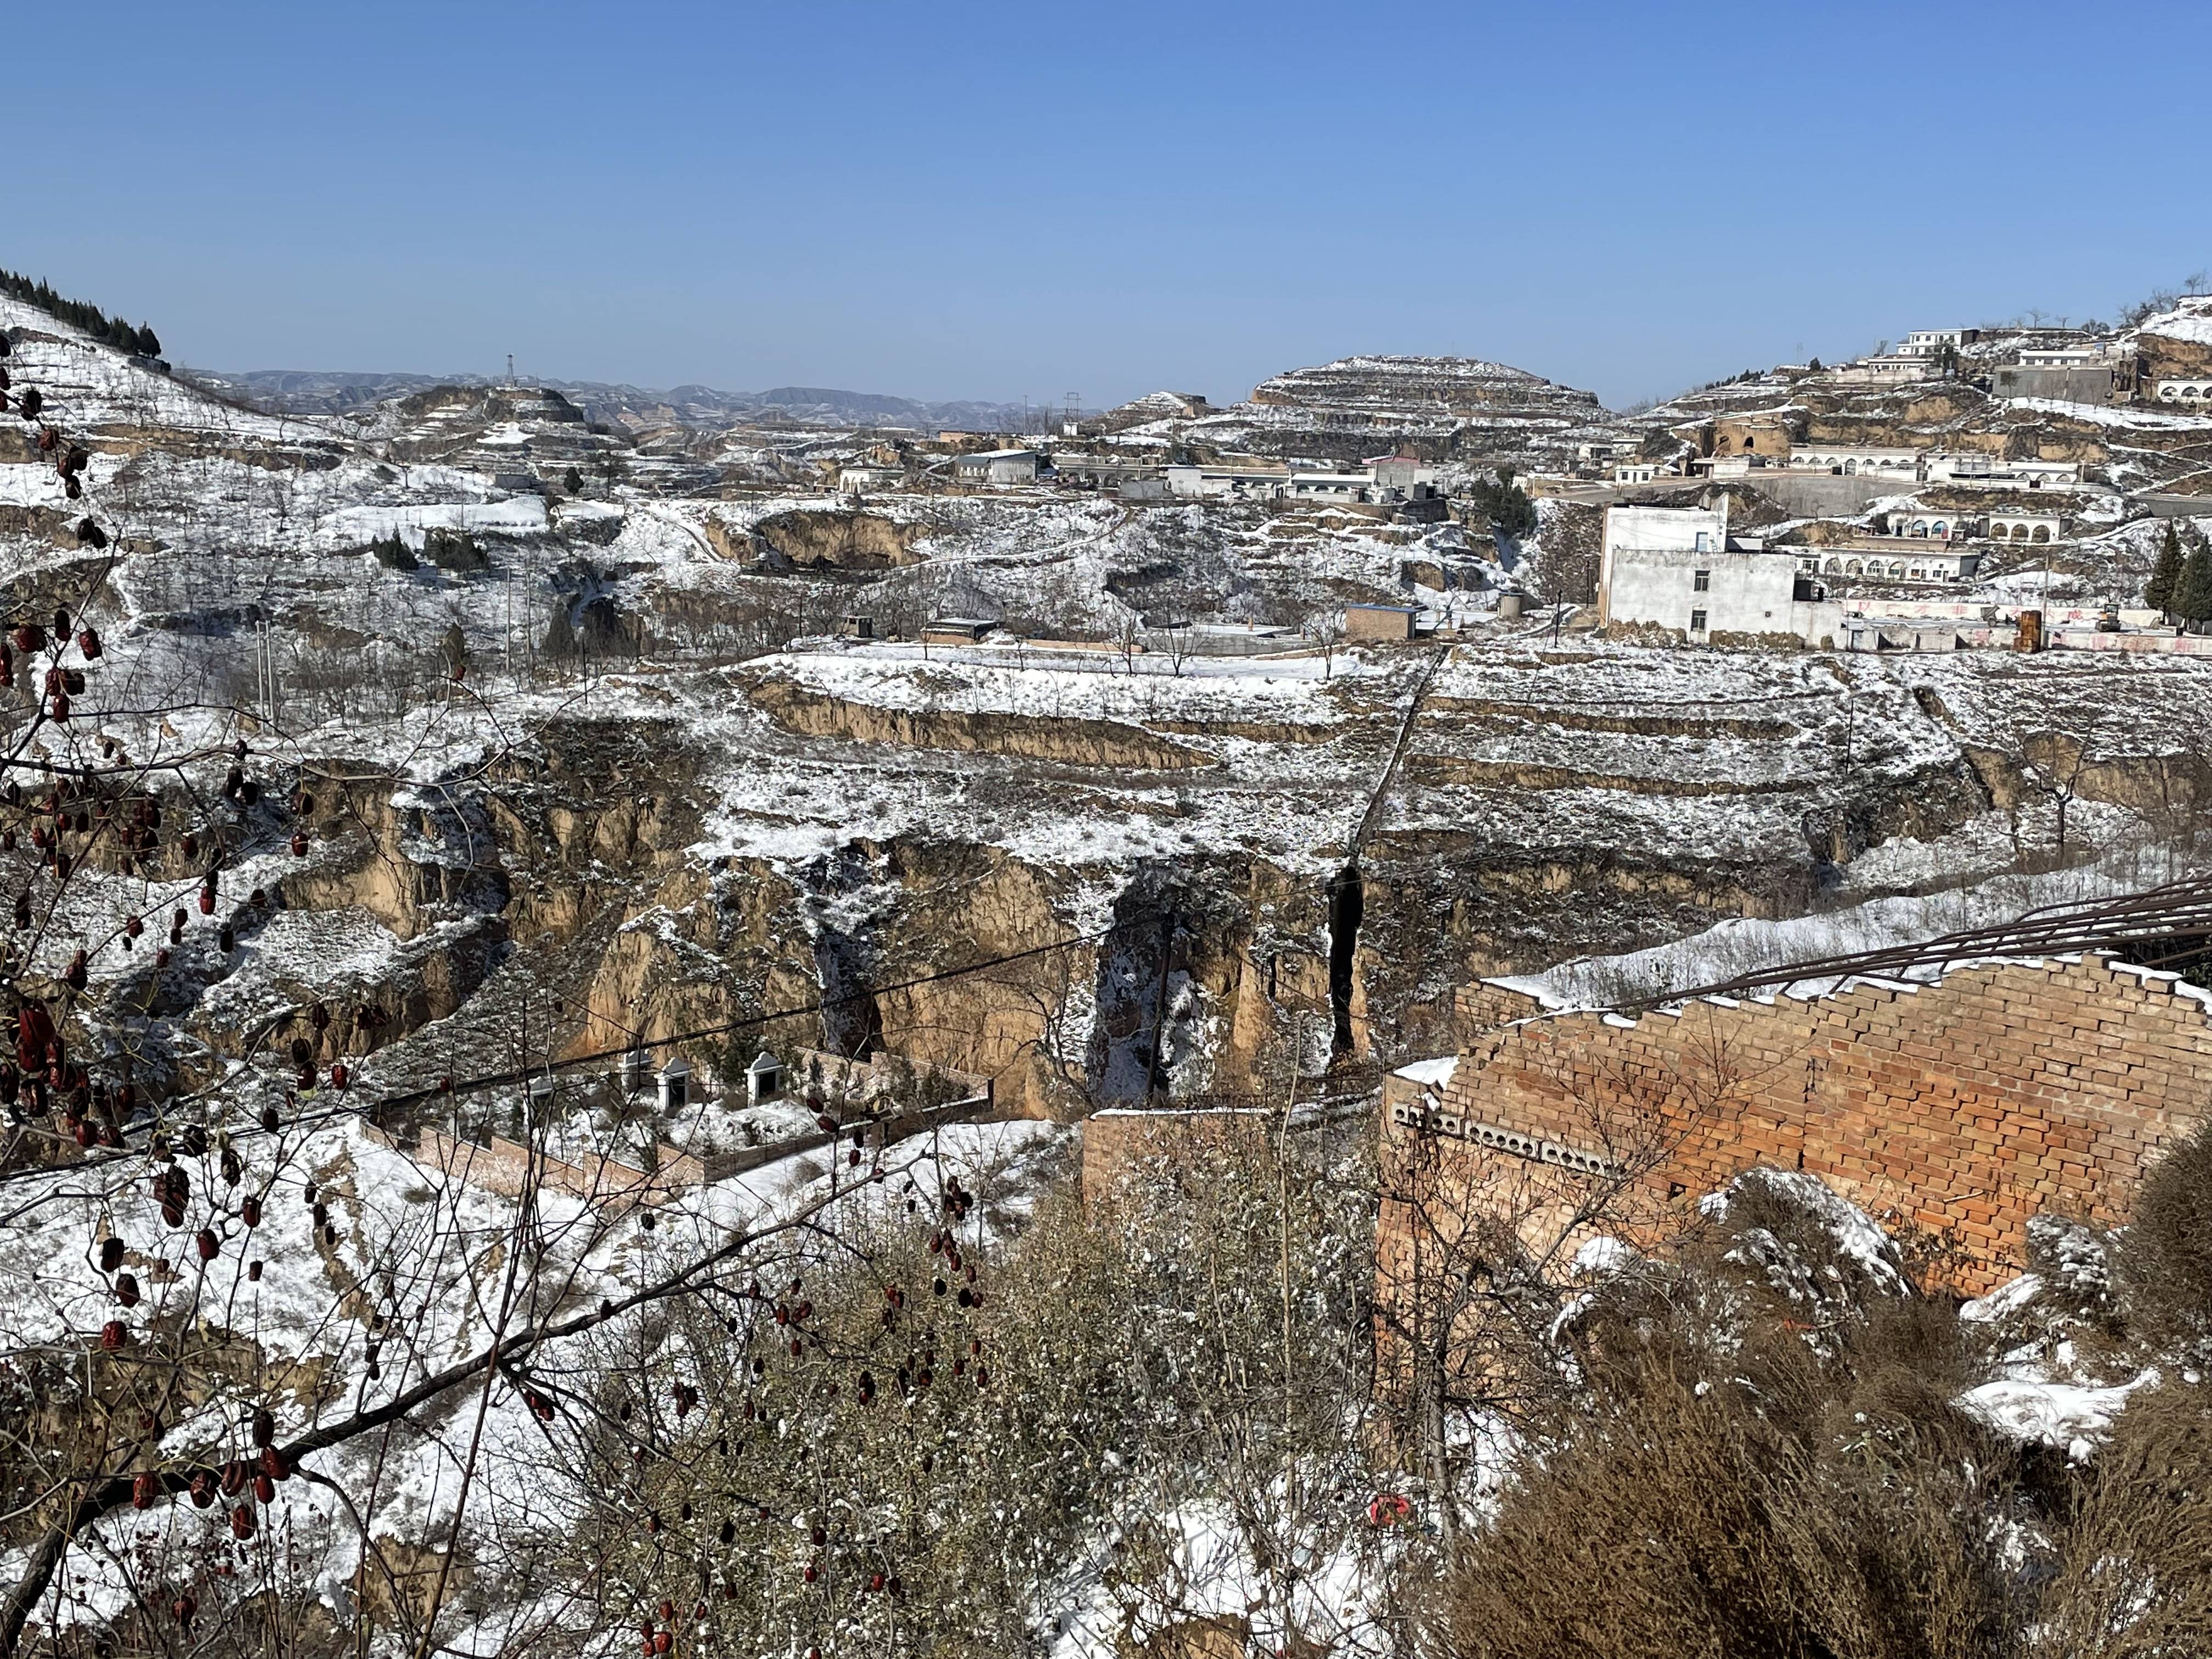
(2065, 356)
(857, 477)
(1400, 477)
(1933, 342)
(1976, 466)
(1888, 368)
(1603, 452)
(1328, 486)
(1391, 479)
(1912, 561)
(1231, 484)
(1677, 568)
(2032, 529)
(997, 466)
(1882, 461)
(1920, 525)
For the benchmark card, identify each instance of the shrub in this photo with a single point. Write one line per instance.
(453, 549)
(2130, 1581)
(1509, 506)
(1763, 1457)
(1743, 1496)
(2166, 1255)
(393, 553)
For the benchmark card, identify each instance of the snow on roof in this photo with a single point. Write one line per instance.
(1430, 1073)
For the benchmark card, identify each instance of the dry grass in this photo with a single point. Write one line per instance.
(2165, 1259)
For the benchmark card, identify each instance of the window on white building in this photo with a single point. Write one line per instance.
(1701, 582)
(1697, 622)
(1704, 542)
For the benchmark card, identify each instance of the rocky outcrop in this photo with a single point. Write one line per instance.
(822, 538)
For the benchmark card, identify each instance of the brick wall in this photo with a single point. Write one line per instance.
(1960, 1109)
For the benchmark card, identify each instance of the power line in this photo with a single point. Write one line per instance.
(2175, 913)
(495, 1079)
(449, 1088)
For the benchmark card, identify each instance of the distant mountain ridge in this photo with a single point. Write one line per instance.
(335, 391)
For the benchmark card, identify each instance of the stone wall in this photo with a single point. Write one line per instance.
(817, 1073)
(1958, 1110)
(503, 1166)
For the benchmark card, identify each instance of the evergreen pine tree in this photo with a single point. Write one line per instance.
(2165, 575)
(150, 343)
(2192, 595)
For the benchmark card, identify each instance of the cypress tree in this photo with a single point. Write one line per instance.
(2165, 575)
(2192, 595)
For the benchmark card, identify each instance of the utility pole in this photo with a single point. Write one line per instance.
(264, 672)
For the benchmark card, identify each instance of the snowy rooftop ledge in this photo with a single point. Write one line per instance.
(1645, 979)
(1814, 987)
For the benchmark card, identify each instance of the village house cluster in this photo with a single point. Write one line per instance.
(1401, 482)
(1678, 572)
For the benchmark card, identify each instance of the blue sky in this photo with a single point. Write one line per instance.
(995, 201)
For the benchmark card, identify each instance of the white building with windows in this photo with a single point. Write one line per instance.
(1329, 486)
(2064, 356)
(1971, 466)
(857, 477)
(2197, 390)
(2026, 529)
(1387, 480)
(1678, 568)
(1919, 525)
(1910, 560)
(998, 466)
(1888, 368)
(1933, 342)
(1883, 461)
(1229, 483)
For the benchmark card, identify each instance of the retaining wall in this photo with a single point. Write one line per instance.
(1960, 1109)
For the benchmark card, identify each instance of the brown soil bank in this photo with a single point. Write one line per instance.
(826, 538)
(1070, 742)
